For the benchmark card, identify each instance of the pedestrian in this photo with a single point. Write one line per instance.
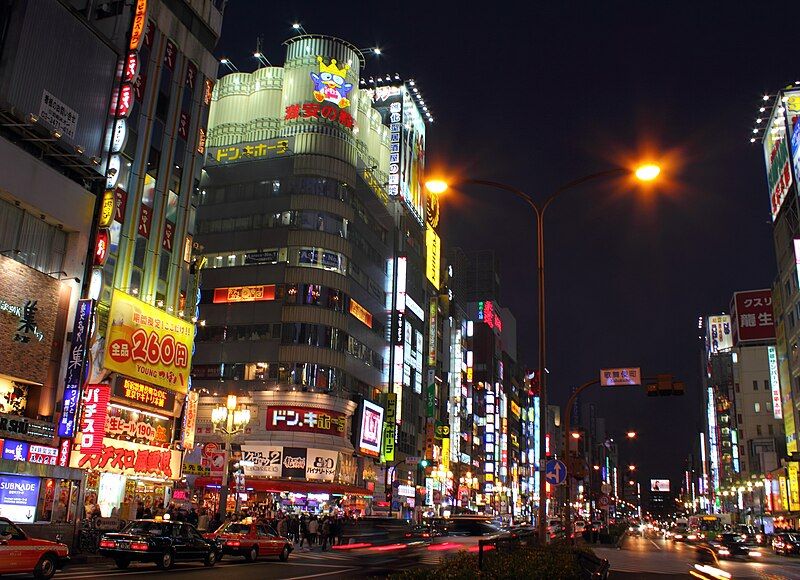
(313, 530)
(283, 526)
(294, 529)
(325, 532)
(192, 517)
(202, 520)
(304, 533)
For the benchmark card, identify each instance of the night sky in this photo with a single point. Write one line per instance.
(539, 97)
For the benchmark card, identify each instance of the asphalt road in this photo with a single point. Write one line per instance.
(329, 565)
(657, 558)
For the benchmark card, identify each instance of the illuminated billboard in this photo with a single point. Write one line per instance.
(777, 159)
(661, 485)
(433, 245)
(370, 432)
(147, 344)
(400, 112)
(752, 315)
(719, 337)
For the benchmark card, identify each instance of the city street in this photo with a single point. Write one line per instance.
(645, 557)
(315, 564)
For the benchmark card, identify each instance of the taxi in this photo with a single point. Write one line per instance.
(20, 553)
(250, 540)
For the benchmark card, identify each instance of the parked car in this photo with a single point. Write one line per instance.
(28, 555)
(250, 541)
(160, 541)
(786, 543)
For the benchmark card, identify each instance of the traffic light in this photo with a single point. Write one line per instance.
(665, 386)
(424, 463)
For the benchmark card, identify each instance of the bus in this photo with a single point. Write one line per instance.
(708, 526)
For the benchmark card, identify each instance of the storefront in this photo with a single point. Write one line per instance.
(122, 475)
(295, 455)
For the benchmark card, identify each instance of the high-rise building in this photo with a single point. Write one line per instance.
(780, 139)
(315, 292)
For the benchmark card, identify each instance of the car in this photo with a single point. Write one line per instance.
(786, 543)
(579, 527)
(678, 534)
(250, 541)
(751, 534)
(160, 541)
(461, 533)
(25, 554)
(380, 545)
(731, 545)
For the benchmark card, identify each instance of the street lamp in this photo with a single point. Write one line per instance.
(631, 434)
(228, 421)
(645, 172)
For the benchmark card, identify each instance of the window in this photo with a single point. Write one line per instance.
(757, 407)
(770, 429)
(737, 387)
(758, 428)
(739, 418)
(755, 385)
(766, 385)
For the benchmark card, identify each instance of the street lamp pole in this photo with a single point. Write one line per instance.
(229, 422)
(386, 481)
(542, 327)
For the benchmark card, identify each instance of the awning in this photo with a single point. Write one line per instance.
(281, 485)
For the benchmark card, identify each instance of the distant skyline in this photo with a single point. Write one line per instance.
(540, 96)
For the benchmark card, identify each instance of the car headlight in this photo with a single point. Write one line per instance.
(724, 552)
(691, 537)
(754, 554)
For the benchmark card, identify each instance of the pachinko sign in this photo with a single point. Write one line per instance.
(93, 416)
(129, 459)
(148, 344)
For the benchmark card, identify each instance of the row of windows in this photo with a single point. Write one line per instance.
(303, 219)
(235, 333)
(304, 374)
(323, 336)
(304, 257)
(318, 186)
(309, 295)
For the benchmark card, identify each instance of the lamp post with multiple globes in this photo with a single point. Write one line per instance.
(228, 421)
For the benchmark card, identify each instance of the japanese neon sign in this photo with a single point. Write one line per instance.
(306, 419)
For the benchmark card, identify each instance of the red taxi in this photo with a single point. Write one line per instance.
(249, 540)
(19, 553)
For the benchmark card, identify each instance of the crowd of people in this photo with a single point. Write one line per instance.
(306, 530)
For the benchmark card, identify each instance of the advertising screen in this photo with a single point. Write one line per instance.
(148, 344)
(659, 485)
(371, 431)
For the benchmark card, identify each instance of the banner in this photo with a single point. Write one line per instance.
(148, 344)
(794, 485)
(262, 460)
(143, 395)
(18, 497)
(321, 464)
(390, 427)
(75, 367)
(93, 417)
(129, 459)
(144, 428)
(294, 462)
(190, 419)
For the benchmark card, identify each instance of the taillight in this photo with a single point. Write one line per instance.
(233, 543)
(108, 544)
(140, 546)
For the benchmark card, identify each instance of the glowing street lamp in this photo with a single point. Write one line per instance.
(229, 421)
(647, 172)
(631, 434)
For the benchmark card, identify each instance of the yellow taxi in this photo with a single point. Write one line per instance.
(20, 553)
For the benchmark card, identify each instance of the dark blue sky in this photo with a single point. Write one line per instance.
(536, 97)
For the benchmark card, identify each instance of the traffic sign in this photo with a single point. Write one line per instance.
(603, 501)
(620, 377)
(555, 472)
(412, 460)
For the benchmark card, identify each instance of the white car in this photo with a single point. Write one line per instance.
(579, 527)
